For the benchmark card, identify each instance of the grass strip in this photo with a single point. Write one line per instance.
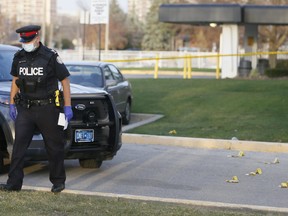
(222, 109)
(35, 203)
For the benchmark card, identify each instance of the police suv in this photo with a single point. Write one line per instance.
(94, 132)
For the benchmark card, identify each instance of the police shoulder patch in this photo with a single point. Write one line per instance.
(54, 51)
(59, 60)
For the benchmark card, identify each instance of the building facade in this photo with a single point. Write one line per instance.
(25, 12)
(29, 11)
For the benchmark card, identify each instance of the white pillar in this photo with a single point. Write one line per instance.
(229, 45)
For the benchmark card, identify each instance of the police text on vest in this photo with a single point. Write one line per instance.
(37, 71)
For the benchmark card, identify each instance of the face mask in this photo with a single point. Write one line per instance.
(29, 47)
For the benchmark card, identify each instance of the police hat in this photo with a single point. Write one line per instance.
(28, 33)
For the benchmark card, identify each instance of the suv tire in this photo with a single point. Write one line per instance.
(90, 163)
(127, 113)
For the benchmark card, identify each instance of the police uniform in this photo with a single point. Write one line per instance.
(38, 74)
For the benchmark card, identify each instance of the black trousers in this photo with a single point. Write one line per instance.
(45, 118)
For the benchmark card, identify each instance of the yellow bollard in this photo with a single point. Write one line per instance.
(218, 66)
(156, 69)
(185, 68)
(189, 66)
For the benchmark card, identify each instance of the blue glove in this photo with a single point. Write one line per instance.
(68, 113)
(13, 112)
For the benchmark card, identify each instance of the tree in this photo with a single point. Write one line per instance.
(2, 29)
(67, 44)
(274, 36)
(135, 32)
(157, 35)
(118, 31)
(67, 27)
(7, 30)
(118, 38)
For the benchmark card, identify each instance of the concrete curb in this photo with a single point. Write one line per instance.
(143, 119)
(167, 200)
(205, 143)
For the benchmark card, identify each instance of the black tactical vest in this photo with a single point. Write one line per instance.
(37, 79)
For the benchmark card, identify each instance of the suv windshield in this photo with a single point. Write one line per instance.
(85, 75)
(6, 58)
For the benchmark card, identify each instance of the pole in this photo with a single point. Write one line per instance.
(44, 24)
(107, 37)
(84, 41)
(99, 36)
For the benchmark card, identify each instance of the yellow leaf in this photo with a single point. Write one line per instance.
(241, 154)
(233, 180)
(172, 132)
(259, 171)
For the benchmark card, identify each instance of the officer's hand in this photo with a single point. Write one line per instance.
(68, 113)
(13, 112)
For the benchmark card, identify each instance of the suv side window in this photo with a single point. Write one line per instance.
(6, 57)
(117, 75)
(108, 74)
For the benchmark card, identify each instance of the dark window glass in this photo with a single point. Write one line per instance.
(90, 76)
(6, 58)
(117, 75)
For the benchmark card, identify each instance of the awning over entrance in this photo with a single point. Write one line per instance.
(200, 13)
(224, 14)
(265, 15)
(229, 16)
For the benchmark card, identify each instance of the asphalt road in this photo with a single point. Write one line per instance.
(177, 172)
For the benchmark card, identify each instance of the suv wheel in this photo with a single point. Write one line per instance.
(1, 163)
(127, 114)
(90, 163)
(4, 155)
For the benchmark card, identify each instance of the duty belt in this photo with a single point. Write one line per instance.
(28, 103)
(56, 99)
(40, 102)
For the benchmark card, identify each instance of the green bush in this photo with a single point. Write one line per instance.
(276, 72)
(67, 44)
(283, 64)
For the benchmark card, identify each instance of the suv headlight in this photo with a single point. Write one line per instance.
(4, 99)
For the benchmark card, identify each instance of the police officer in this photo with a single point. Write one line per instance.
(35, 103)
